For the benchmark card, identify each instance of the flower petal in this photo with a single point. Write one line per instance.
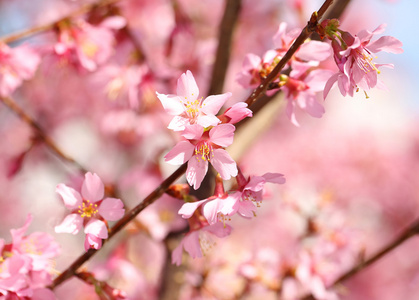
(207, 120)
(222, 135)
(92, 242)
(180, 153)
(193, 132)
(187, 88)
(172, 104)
(97, 228)
(224, 164)
(212, 104)
(274, 178)
(314, 51)
(178, 123)
(71, 224)
(386, 43)
(189, 208)
(111, 209)
(196, 171)
(92, 188)
(70, 196)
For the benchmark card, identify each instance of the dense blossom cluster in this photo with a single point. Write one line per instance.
(27, 264)
(113, 66)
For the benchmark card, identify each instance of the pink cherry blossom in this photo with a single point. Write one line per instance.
(236, 113)
(83, 44)
(16, 64)
(187, 108)
(250, 193)
(300, 89)
(201, 147)
(89, 209)
(355, 60)
(198, 241)
(311, 52)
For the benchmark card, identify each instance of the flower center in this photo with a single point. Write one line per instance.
(87, 209)
(203, 151)
(193, 108)
(363, 59)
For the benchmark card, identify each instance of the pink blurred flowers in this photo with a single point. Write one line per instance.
(26, 265)
(89, 210)
(16, 64)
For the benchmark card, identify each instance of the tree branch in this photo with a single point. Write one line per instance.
(38, 29)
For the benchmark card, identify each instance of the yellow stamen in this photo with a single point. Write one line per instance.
(87, 209)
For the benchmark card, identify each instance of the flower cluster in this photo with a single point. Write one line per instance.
(354, 58)
(300, 80)
(89, 210)
(26, 264)
(205, 135)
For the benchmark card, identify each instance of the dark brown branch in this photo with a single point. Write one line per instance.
(9, 102)
(38, 29)
(70, 271)
(222, 58)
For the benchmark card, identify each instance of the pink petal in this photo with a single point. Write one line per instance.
(178, 123)
(92, 188)
(114, 22)
(111, 209)
(224, 164)
(247, 209)
(211, 209)
(238, 112)
(222, 135)
(251, 61)
(311, 106)
(97, 228)
(187, 89)
(180, 153)
(192, 245)
(70, 196)
(256, 183)
(219, 229)
(387, 44)
(17, 234)
(274, 178)
(289, 111)
(317, 79)
(92, 242)
(189, 208)
(212, 104)
(314, 50)
(197, 168)
(177, 254)
(71, 224)
(193, 132)
(231, 204)
(329, 84)
(172, 104)
(207, 120)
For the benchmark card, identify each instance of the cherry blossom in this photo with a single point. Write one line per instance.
(188, 108)
(354, 58)
(201, 147)
(16, 64)
(89, 210)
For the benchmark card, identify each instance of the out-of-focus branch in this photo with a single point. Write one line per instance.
(37, 29)
(410, 231)
(219, 70)
(10, 103)
(70, 271)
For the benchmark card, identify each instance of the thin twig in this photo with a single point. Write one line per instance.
(410, 231)
(9, 102)
(222, 57)
(69, 272)
(38, 29)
